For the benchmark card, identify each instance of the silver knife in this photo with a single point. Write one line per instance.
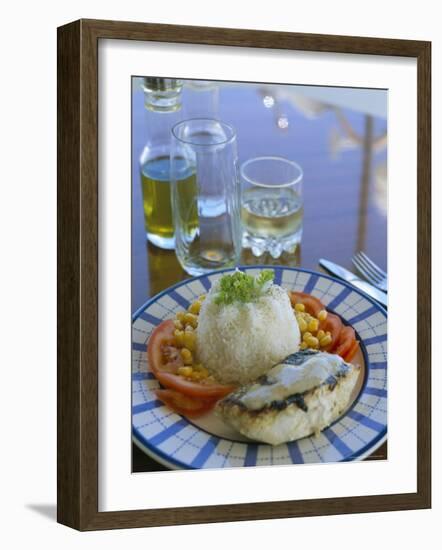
(345, 275)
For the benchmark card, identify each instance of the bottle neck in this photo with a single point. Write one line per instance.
(158, 125)
(162, 102)
(162, 94)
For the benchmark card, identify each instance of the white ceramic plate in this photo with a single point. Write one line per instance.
(207, 442)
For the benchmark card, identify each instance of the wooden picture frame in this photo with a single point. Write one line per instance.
(77, 459)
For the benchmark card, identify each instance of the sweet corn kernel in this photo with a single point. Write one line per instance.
(299, 307)
(306, 335)
(190, 340)
(191, 319)
(202, 298)
(322, 315)
(178, 324)
(302, 325)
(325, 341)
(313, 325)
(328, 333)
(201, 373)
(179, 337)
(303, 345)
(185, 371)
(312, 342)
(195, 308)
(186, 356)
(188, 328)
(180, 315)
(320, 334)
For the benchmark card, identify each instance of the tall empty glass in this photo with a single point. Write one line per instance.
(205, 195)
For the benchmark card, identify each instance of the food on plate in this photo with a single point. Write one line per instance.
(302, 395)
(230, 341)
(321, 329)
(245, 326)
(167, 364)
(181, 403)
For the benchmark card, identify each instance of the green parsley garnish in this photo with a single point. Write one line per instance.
(240, 287)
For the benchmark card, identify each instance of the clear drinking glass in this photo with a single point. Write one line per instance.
(201, 99)
(205, 195)
(272, 205)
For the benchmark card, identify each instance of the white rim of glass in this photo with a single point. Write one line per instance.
(231, 130)
(299, 172)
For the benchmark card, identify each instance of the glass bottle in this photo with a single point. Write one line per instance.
(162, 101)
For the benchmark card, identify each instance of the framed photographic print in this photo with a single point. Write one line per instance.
(243, 228)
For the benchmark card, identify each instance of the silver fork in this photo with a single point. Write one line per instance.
(372, 272)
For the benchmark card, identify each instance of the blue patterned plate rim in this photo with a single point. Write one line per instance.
(167, 460)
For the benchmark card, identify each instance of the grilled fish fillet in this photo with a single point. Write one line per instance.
(302, 395)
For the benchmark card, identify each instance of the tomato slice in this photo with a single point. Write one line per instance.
(332, 324)
(193, 389)
(184, 405)
(312, 304)
(345, 342)
(164, 360)
(352, 352)
(159, 354)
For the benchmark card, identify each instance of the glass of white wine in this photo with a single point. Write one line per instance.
(272, 205)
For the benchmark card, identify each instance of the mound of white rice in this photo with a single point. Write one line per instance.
(241, 341)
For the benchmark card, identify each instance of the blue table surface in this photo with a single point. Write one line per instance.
(344, 176)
